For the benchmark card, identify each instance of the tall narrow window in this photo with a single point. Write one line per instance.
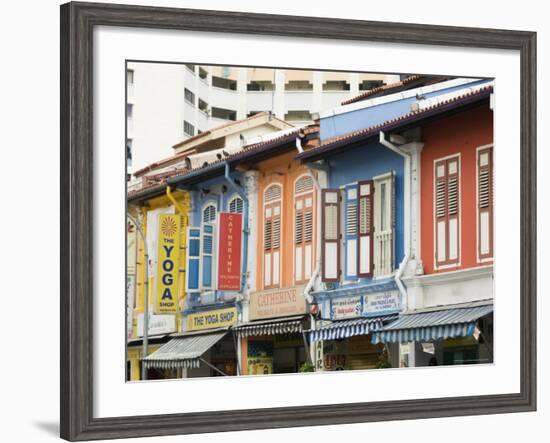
(485, 203)
(365, 250)
(303, 228)
(330, 202)
(383, 225)
(193, 259)
(351, 232)
(207, 262)
(447, 211)
(272, 236)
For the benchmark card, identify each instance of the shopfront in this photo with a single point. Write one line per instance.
(207, 348)
(342, 336)
(433, 337)
(273, 341)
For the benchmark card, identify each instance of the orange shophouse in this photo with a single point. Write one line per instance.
(272, 338)
(449, 315)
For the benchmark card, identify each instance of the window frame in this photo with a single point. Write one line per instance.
(303, 195)
(485, 258)
(272, 203)
(447, 264)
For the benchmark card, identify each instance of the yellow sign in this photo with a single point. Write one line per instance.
(167, 266)
(211, 319)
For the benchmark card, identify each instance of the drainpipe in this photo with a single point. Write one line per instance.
(408, 162)
(314, 167)
(246, 230)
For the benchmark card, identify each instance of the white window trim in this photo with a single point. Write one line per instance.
(380, 178)
(281, 242)
(234, 197)
(479, 148)
(434, 179)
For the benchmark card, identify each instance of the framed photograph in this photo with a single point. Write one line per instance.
(275, 221)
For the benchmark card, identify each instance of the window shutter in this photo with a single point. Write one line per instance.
(272, 236)
(485, 202)
(193, 259)
(365, 226)
(447, 209)
(207, 256)
(330, 202)
(351, 232)
(303, 236)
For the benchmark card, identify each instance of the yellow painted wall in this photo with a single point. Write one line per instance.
(182, 198)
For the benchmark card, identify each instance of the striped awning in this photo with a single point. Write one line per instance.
(433, 325)
(286, 325)
(183, 352)
(349, 328)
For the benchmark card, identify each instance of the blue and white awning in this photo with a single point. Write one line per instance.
(433, 325)
(348, 328)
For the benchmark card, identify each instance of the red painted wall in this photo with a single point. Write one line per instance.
(461, 133)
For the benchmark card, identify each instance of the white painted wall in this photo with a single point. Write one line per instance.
(159, 106)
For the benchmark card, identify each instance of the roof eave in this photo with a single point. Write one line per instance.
(413, 120)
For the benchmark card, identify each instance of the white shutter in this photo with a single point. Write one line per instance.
(330, 202)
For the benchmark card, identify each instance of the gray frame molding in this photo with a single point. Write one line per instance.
(77, 23)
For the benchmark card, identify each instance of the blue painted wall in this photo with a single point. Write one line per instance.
(364, 163)
(363, 118)
(198, 202)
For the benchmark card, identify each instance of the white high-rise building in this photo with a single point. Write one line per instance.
(168, 103)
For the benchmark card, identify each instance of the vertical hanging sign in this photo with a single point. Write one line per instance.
(229, 251)
(167, 265)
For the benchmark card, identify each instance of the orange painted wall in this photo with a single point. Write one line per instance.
(285, 170)
(461, 133)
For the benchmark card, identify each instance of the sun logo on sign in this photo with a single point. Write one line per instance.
(168, 227)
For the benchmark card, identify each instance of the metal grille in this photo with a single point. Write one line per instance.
(236, 205)
(209, 214)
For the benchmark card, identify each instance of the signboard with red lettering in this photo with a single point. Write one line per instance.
(229, 251)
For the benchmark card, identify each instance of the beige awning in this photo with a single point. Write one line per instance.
(183, 352)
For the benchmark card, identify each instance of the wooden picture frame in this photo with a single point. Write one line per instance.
(77, 217)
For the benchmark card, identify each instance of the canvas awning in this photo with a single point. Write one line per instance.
(183, 352)
(432, 325)
(284, 325)
(349, 328)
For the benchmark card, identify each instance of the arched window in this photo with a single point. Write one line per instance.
(209, 213)
(236, 205)
(272, 235)
(303, 228)
(208, 220)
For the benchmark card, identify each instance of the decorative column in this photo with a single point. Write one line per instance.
(250, 184)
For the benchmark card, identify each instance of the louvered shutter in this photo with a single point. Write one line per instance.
(330, 202)
(365, 228)
(193, 259)
(272, 236)
(350, 233)
(485, 202)
(207, 256)
(447, 208)
(303, 236)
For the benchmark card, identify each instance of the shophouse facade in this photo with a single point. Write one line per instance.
(187, 263)
(374, 152)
